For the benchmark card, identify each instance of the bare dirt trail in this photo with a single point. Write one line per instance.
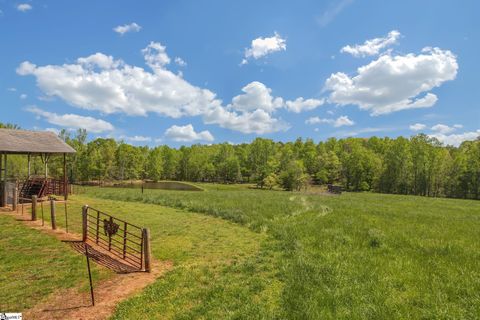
(74, 304)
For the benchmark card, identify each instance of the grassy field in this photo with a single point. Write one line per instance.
(242, 253)
(355, 256)
(220, 268)
(33, 265)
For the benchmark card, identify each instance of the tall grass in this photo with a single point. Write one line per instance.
(355, 256)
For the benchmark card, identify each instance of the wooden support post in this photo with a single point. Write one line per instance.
(43, 219)
(65, 187)
(147, 249)
(34, 208)
(15, 199)
(52, 214)
(29, 161)
(84, 223)
(66, 217)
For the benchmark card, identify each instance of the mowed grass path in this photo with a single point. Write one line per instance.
(355, 256)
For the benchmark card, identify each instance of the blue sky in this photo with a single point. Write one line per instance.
(185, 72)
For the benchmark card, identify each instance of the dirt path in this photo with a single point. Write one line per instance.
(73, 304)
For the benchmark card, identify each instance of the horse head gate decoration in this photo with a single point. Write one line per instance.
(122, 239)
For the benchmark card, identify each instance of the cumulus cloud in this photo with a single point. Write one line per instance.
(180, 62)
(155, 55)
(417, 127)
(23, 96)
(301, 104)
(24, 7)
(136, 138)
(187, 134)
(443, 129)
(102, 83)
(261, 47)
(73, 121)
(373, 46)
(339, 122)
(456, 139)
(394, 83)
(132, 27)
(256, 96)
(258, 121)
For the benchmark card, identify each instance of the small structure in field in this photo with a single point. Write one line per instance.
(334, 189)
(33, 143)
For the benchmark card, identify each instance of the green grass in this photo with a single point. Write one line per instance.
(34, 265)
(221, 269)
(355, 256)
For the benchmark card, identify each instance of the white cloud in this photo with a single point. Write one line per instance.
(23, 96)
(362, 131)
(261, 47)
(339, 122)
(180, 62)
(456, 139)
(417, 127)
(334, 10)
(54, 130)
(11, 89)
(442, 128)
(132, 27)
(256, 96)
(187, 134)
(155, 55)
(73, 121)
(458, 126)
(24, 7)
(301, 105)
(373, 46)
(343, 121)
(258, 121)
(136, 138)
(100, 82)
(394, 83)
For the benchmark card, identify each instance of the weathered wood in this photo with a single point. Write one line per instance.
(15, 199)
(84, 223)
(43, 219)
(34, 208)
(65, 186)
(147, 249)
(52, 214)
(66, 217)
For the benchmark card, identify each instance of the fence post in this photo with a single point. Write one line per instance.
(15, 198)
(147, 249)
(84, 223)
(52, 214)
(34, 208)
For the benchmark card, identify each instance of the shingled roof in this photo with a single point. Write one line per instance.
(24, 142)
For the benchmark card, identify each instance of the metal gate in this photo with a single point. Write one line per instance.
(124, 240)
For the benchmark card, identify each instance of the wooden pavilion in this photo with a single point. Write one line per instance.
(33, 143)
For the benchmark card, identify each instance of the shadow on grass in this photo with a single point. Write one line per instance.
(102, 258)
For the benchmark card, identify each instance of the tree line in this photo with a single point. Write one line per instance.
(419, 165)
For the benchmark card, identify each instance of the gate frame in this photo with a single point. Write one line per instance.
(145, 249)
